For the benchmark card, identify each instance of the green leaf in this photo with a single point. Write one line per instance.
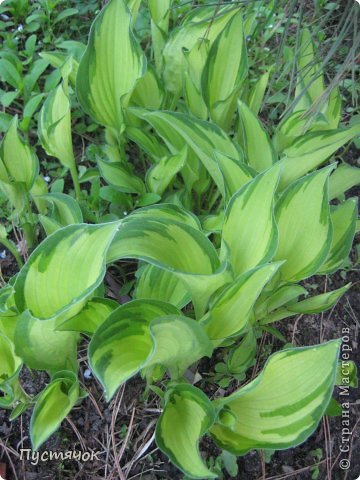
(147, 142)
(213, 223)
(333, 409)
(296, 125)
(343, 178)
(10, 366)
(64, 209)
(282, 407)
(8, 98)
(319, 303)
(304, 226)
(54, 127)
(343, 218)
(282, 296)
(148, 92)
(42, 347)
(39, 188)
(311, 150)
(160, 175)
(202, 137)
(116, 174)
(52, 406)
(205, 22)
(160, 14)
(255, 140)
(249, 230)
(244, 355)
(224, 72)
(59, 59)
(122, 344)
(309, 74)
(347, 374)
(5, 121)
(47, 286)
(175, 247)
(169, 212)
(195, 60)
(18, 163)
(49, 225)
(334, 108)
(178, 343)
(91, 316)
(230, 312)
(256, 94)
(276, 315)
(158, 284)
(147, 199)
(8, 321)
(133, 6)
(14, 193)
(37, 68)
(110, 66)
(10, 75)
(230, 463)
(29, 110)
(235, 173)
(156, 241)
(67, 12)
(187, 415)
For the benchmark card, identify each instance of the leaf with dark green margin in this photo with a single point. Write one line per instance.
(343, 218)
(178, 343)
(187, 415)
(47, 285)
(90, 317)
(304, 226)
(52, 406)
(42, 347)
(156, 283)
(249, 230)
(122, 344)
(283, 406)
(112, 63)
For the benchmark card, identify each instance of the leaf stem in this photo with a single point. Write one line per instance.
(9, 245)
(75, 179)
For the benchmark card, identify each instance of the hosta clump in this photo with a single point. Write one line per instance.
(236, 265)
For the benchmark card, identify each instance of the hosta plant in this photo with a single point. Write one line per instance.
(241, 218)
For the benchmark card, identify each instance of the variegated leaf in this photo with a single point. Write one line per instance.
(202, 137)
(122, 344)
(42, 347)
(304, 225)
(194, 27)
(283, 406)
(249, 230)
(319, 303)
(110, 66)
(177, 248)
(255, 140)
(230, 311)
(343, 218)
(224, 72)
(47, 286)
(187, 415)
(18, 163)
(311, 150)
(52, 406)
(157, 284)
